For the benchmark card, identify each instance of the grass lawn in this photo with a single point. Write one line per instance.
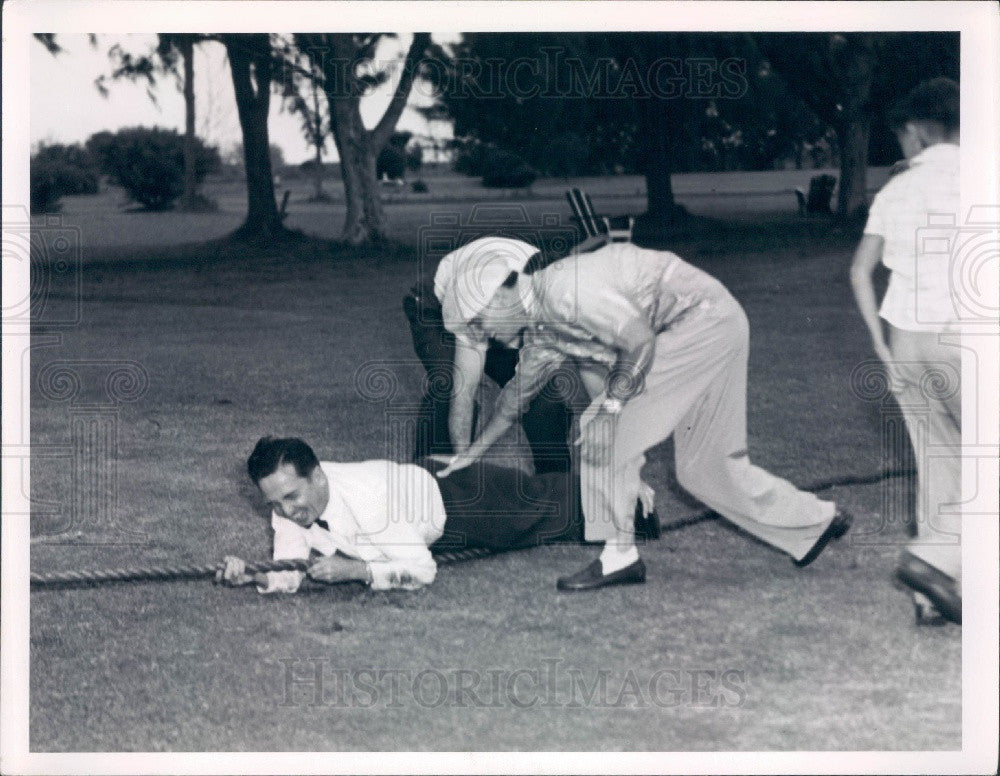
(727, 646)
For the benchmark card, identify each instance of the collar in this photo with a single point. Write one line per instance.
(331, 510)
(529, 297)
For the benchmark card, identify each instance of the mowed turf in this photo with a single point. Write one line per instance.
(727, 646)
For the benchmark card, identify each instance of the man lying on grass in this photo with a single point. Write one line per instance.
(378, 521)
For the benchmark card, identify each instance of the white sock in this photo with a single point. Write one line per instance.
(615, 557)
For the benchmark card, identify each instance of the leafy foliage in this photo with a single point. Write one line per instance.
(61, 169)
(505, 169)
(74, 166)
(149, 163)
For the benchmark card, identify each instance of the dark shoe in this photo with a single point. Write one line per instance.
(646, 526)
(921, 576)
(591, 577)
(838, 527)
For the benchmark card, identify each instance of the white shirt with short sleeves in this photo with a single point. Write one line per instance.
(915, 214)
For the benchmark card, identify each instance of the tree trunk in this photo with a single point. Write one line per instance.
(853, 62)
(250, 62)
(374, 218)
(318, 172)
(852, 198)
(358, 147)
(360, 186)
(318, 139)
(186, 46)
(661, 210)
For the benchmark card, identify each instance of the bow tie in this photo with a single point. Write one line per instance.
(322, 523)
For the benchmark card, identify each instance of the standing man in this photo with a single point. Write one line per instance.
(377, 521)
(923, 327)
(663, 348)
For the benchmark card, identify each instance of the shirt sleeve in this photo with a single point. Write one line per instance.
(536, 363)
(289, 544)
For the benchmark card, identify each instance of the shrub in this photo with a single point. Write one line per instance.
(419, 187)
(97, 146)
(470, 156)
(414, 158)
(45, 190)
(391, 162)
(505, 169)
(61, 169)
(149, 163)
(74, 168)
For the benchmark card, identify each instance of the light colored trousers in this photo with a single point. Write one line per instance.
(930, 395)
(696, 389)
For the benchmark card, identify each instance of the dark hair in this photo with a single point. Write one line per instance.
(270, 453)
(537, 261)
(935, 101)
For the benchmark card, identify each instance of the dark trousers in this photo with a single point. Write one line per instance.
(547, 423)
(504, 509)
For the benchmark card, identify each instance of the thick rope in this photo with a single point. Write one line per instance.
(169, 573)
(205, 571)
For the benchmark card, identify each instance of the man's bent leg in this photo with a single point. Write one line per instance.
(713, 463)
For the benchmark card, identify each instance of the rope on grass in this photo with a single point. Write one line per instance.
(170, 573)
(204, 571)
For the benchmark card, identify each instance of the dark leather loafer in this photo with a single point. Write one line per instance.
(646, 526)
(939, 588)
(591, 577)
(838, 527)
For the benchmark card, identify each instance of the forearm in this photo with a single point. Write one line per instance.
(866, 257)
(460, 419)
(467, 372)
(498, 426)
(864, 296)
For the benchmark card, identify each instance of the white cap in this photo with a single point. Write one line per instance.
(467, 279)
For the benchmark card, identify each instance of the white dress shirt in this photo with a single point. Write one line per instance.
(384, 513)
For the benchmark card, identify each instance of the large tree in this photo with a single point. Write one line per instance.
(343, 63)
(848, 79)
(252, 63)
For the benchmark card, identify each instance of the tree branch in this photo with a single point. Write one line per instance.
(380, 135)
